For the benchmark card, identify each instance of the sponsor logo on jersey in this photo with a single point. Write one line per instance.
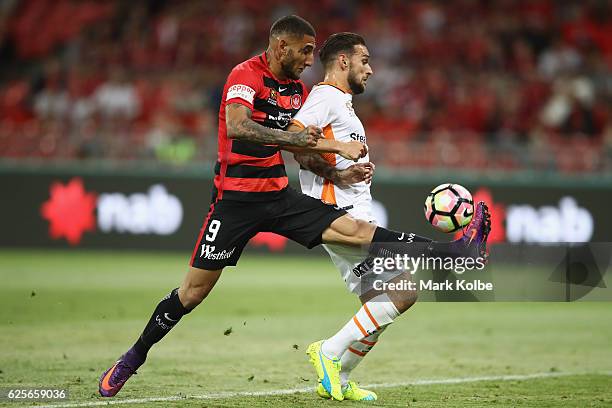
(208, 252)
(241, 91)
(282, 120)
(357, 137)
(272, 98)
(364, 267)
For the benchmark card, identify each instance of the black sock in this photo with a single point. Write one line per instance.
(386, 235)
(167, 314)
(388, 243)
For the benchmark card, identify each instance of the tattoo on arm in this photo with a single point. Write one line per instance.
(240, 126)
(319, 166)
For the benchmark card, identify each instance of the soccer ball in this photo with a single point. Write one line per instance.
(449, 207)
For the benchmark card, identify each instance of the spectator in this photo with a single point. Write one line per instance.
(514, 74)
(117, 98)
(52, 101)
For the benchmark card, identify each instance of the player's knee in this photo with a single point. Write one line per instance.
(404, 300)
(197, 285)
(192, 296)
(363, 232)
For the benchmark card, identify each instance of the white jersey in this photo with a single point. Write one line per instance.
(331, 109)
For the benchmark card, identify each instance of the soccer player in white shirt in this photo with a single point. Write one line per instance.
(343, 183)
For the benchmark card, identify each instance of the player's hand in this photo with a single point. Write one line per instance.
(355, 174)
(353, 150)
(308, 136)
(369, 172)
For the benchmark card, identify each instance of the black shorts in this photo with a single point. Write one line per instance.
(230, 224)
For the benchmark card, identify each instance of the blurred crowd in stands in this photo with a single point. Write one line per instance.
(478, 84)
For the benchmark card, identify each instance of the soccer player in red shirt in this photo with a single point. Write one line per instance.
(251, 192)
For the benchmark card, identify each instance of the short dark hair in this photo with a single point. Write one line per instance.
(292, 25)
(339, 43)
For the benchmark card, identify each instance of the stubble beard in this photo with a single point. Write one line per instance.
(356, 86)
(288, 66)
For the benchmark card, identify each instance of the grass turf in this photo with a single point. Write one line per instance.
(65, 316)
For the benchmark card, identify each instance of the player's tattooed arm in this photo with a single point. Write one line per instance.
(240, 126)
(351, 175)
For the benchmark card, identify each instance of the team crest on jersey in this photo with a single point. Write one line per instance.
(272, 98)
(296, 101)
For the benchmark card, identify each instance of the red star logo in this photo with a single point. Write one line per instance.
(274, 242)
(70, 211)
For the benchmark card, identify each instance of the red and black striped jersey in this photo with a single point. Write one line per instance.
(249, 171)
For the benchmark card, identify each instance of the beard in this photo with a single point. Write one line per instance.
(288, 67)
(357, 87)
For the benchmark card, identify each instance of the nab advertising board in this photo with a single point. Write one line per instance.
(122, 211)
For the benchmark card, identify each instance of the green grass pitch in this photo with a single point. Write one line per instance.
(66, 315)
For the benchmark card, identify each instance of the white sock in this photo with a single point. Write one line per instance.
(355, 353)
(374, 314)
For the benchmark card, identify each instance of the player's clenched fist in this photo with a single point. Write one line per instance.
(308, 136)
(353, 150)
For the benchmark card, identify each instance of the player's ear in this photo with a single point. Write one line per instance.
(343, 61)
(282, 47)
(276, 45)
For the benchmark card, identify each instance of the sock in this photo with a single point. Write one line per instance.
(387, 243)
(355, 353)
(371, 317)
(166, 315)
(386, 235)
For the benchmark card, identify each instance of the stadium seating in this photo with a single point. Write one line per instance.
(505, 85)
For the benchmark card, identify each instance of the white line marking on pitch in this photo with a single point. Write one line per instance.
(230, 394)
